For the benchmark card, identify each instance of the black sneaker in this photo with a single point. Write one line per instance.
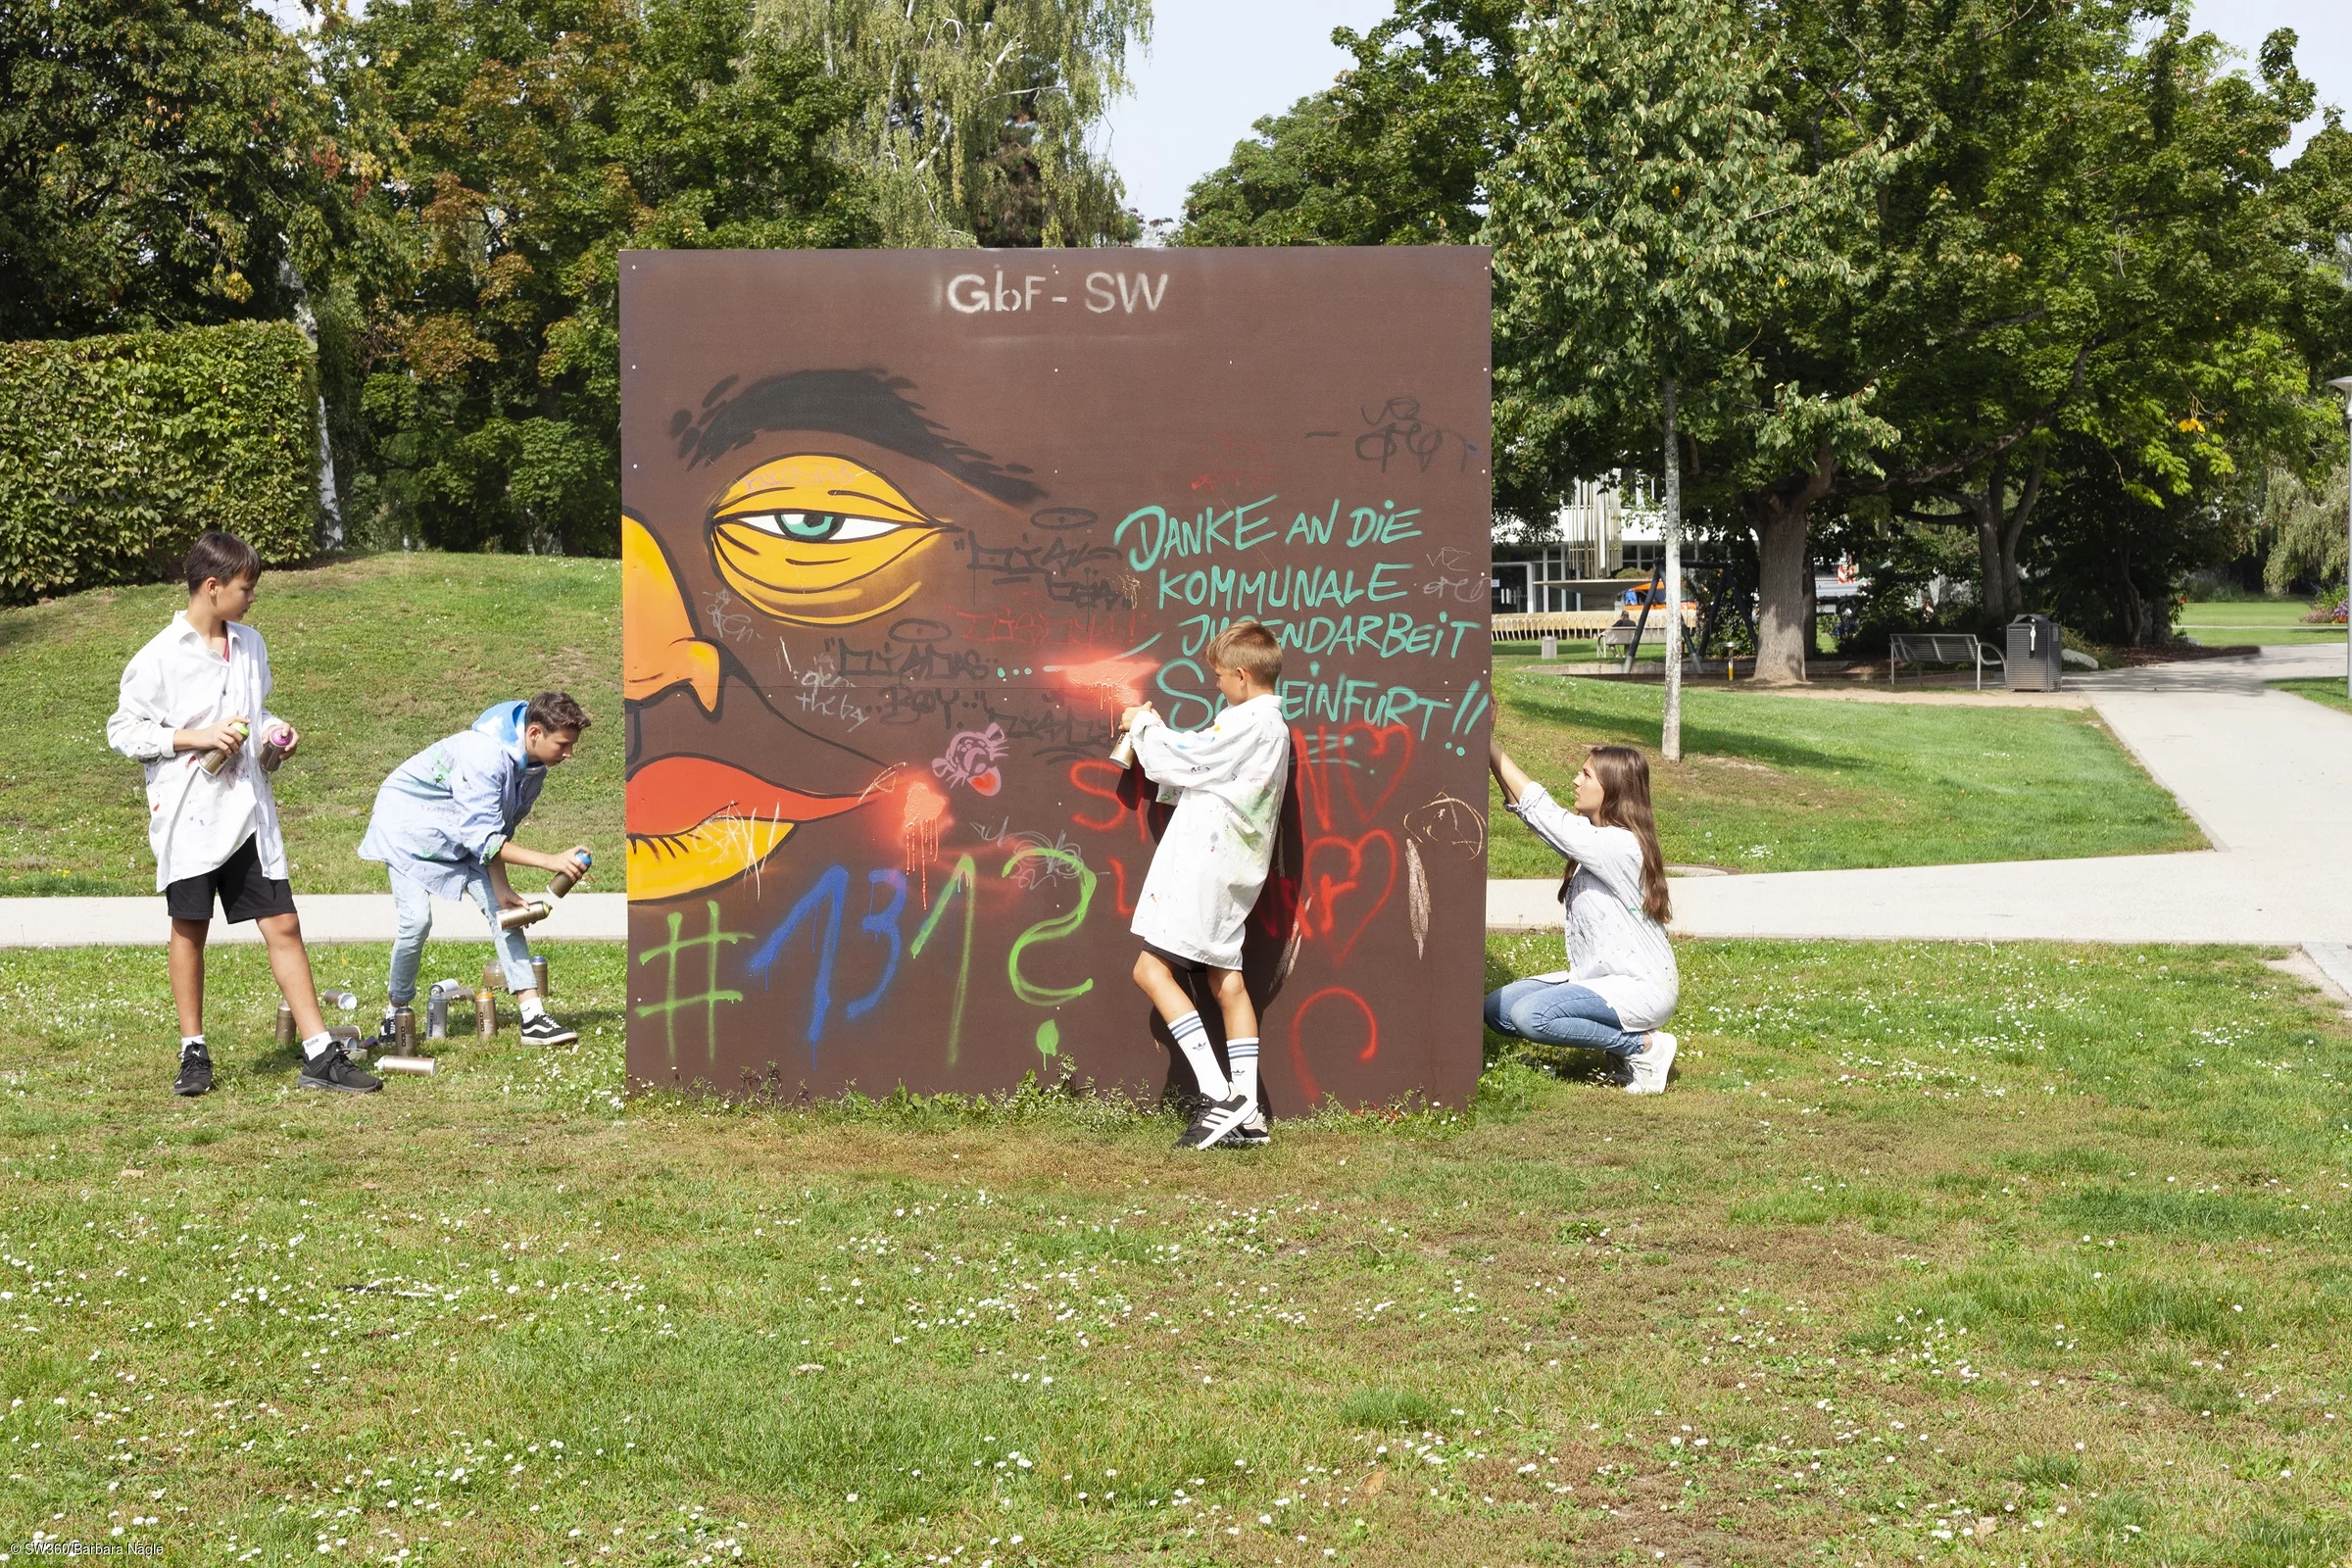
(1251, 1133)
(195, 1072)
(333, 1069)
(545, 1031)
(1216, 1119)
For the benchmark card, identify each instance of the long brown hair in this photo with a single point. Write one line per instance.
(1624, 775)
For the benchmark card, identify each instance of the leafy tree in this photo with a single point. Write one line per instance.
(161, 164)
(972, 115)
(2082, 238)
(522, 144)
(2308, 525)
(1396, 151)
(2092, 241)
(1652, 216)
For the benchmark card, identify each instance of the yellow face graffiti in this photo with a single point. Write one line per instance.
(811, 540)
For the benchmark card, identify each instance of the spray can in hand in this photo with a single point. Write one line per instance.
(276, 741)
(534, 910)
(216, 758)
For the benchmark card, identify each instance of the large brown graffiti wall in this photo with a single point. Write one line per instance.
(903, 533)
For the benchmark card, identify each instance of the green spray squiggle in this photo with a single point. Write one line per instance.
(962, 879)
(1049, 930)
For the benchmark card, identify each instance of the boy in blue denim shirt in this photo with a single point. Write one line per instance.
(444, 823)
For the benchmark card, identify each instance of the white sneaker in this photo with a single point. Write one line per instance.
(1649, 1064)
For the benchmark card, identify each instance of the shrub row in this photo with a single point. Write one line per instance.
(116, 452)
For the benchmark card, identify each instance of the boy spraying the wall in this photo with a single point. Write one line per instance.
(444, 825)
(1226, 782)
(192, 712)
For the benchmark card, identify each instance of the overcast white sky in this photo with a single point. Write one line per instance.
(1215, 66)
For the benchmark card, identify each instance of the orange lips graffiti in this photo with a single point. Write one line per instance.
(695, 822)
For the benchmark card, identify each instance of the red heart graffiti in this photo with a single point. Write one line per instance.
(1392, 736)
(1325, 894)
(1298, 1065)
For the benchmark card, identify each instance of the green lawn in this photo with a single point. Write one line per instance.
(1794, 784)
(1924, 1235)
(2266, 623)
(373, 659)
(2330, 691)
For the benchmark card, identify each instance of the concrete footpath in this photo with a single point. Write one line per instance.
(326, 917)
(2267, 775)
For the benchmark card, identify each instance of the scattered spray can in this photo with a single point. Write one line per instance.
(288, 1035)
(539, 974)
(400, 1048)
(436, 1008)
(216, 758)
(485, 1013)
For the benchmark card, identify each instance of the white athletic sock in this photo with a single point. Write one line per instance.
(316, 1047)
(189, 1042)
(1192, 1038)
(532, 1009)
(1242, 1054)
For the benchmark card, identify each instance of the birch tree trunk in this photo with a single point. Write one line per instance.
(1669, 735)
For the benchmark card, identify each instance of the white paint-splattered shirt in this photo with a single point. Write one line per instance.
(1614, 948)
(196, 821)
(1227, 783)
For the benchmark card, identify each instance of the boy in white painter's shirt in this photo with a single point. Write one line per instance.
(1227, 783)
(214, 834)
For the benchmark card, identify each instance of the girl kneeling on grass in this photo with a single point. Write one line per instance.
(1620, 985)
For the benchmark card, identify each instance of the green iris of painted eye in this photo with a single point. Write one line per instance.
(810, 525)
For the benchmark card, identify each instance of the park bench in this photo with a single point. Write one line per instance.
(1533, 626)
(1921, 649)
(1619, 637)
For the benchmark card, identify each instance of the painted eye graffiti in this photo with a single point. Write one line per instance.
(816, 527)
(819, 540)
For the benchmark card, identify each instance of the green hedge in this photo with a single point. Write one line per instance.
(116, 452)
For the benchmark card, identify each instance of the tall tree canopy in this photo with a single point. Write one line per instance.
(1655, 226)
(160, 165)
(973, 116)
(522, 144)
(2084, 255)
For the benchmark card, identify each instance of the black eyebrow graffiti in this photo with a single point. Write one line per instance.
(871, 405)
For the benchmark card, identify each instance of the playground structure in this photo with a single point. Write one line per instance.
(1627, 612)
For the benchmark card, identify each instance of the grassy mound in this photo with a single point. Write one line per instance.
(373, 659)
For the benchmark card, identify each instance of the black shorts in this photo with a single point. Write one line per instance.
(244, 893)
(1177, 960)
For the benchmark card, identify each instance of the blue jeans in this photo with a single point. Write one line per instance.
(413, 908)
(1560, 1012)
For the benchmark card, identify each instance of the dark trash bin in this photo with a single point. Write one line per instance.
(2035, 662)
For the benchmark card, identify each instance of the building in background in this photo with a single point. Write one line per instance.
(1609, 528)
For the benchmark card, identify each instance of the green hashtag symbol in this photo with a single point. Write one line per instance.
(671, 1003)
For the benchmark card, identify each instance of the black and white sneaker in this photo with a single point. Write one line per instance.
(1253, 1132)
(332, 1069)
(1216, 1119)
(545, 1031)
(195, 1072)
